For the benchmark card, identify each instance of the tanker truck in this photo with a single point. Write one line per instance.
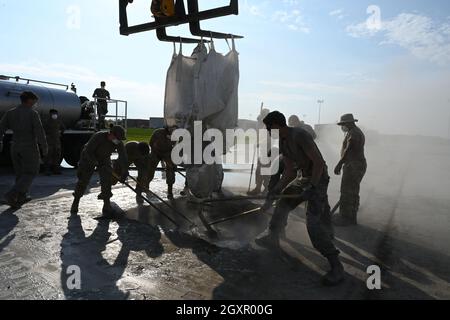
(77, 113)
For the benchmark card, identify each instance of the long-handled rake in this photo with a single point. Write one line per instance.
(147, 190)
(146, 200)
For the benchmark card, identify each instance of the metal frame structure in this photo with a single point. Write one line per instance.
(116, 116)
(193, 18)
(17, 78)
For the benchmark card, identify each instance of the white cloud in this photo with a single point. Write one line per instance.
(422, 36)
(293, 20)
(336, 12)
(289, 13)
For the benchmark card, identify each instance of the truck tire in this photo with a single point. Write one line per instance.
(73, 145)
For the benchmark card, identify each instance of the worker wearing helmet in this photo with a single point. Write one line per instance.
(161, 151)
(97, 154)
(138, 153)
(53, 129)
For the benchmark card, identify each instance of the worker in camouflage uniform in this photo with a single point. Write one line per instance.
(138, 153)
(353, 166)
(295, 122)
(28, 135)
(260, 179)
(102, 96)
(301, 153)
(161, 147)
(53, 127)
(97, 154)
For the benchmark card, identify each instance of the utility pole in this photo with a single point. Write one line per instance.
(320, 102)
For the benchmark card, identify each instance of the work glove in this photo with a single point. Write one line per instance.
(124, 176)
(308, 192)
(338, 169)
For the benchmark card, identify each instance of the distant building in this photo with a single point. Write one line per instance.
(156, 123)
(138, 123)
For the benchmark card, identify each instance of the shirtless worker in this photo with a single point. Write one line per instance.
(353, 166)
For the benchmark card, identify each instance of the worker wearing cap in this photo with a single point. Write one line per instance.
(138, 153)
(295, 122)
(53, 127)
(28, 135)
(102, 95)
(353, 166)
(97, 154)
(301, 153)
(260, 179)
(161, 151)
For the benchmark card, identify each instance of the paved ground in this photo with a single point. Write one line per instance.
(404, 228)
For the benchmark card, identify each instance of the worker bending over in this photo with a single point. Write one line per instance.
(138, 154)
(97, 154)
(301, 153)
(161, 147)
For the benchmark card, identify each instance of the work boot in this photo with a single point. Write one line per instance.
(75, 205)
(170, 193)
(270, 240)
(11, 199)
(107, 211)
(23, 198)
(342, 221)
(254, 192)
(336, 274)
(139, 199)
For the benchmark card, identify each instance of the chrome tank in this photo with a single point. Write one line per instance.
(67, 103)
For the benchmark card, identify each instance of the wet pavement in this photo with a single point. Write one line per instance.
(143, 256)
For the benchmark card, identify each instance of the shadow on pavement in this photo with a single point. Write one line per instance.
(254, 274)
(8, 221)
(99, 276)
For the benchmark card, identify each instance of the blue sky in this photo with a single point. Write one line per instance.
(392, 72)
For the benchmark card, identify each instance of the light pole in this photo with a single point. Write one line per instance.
(320, 102)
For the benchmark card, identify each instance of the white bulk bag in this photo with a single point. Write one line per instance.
(179, 96)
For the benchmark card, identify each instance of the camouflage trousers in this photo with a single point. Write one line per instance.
(352, 175)
(260, 179)
(86, 169)
(318, 216)
(167, 163)
(26, 162)
(53, 157)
